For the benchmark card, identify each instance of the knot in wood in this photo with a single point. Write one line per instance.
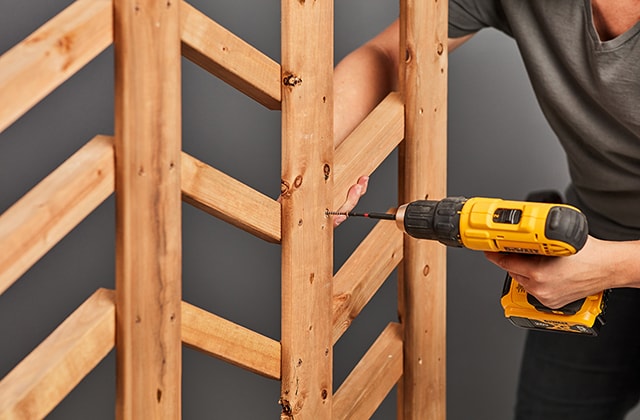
(327, 171)
(292, 80)
(407, 55)
(440, 49)
(286, 407)
(425, 270)
(284, 189)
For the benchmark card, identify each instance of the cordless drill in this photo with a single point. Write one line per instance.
(496, 225)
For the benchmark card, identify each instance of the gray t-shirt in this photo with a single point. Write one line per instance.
(588, 90)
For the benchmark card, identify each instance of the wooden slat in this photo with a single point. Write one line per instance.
(423, 157)
(363, 273)
(42, 217)
(228, 57)
(373, 377)
(307, 186)
(34, 387)
(53, 53)
(368, 145)
(230, 200)
(230, 342)
(148, 208)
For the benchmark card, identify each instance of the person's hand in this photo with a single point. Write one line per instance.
(353, 196)
(557, 281)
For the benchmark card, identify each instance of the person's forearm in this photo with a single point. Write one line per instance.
(365, 76)
(625, 257)
(362, 79)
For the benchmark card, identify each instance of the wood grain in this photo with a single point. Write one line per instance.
(373, 377)
(43, 216)
(228, 57)
(307, 234)
(43, 378)
(423, 158)
(368, 145)
(363, 273)
(230, 342)
(230, 200)
(148, 209)
(52, 54)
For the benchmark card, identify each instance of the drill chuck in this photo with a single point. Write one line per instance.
(433, 219)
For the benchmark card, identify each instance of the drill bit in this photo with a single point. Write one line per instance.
(385, 216)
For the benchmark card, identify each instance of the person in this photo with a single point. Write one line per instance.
(583, 60)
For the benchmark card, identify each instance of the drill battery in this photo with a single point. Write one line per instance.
(584, 316)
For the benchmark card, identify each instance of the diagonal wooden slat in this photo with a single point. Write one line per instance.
(41, 380)
(368, 145)
(372, 378)
(363, 273)
(52, 54)
(230, 342)
(230, 200)
(228, 57)
(43, 216)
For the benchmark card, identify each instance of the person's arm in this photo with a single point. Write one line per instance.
(600, 265)
(361, 80)
(365, 76)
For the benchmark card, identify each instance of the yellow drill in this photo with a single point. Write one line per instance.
(496, 225)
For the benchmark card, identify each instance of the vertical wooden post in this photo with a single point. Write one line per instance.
(307, 234)
(148, 243)
(423, 174)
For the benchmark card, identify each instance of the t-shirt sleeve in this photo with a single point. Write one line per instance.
(469, 16)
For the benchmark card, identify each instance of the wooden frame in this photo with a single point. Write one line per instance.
(145, 318)
(423, 157)
(148, 249)
(307, 235)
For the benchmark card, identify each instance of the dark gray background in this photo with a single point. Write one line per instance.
(499, 145)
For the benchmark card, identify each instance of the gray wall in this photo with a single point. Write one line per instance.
(499, 146)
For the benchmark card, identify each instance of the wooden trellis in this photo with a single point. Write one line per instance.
(145, 315)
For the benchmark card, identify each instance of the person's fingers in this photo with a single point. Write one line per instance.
(513, 263)
(497, 258)
(364, 181)
(353, 196)
(338, 219)
(352, 199)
